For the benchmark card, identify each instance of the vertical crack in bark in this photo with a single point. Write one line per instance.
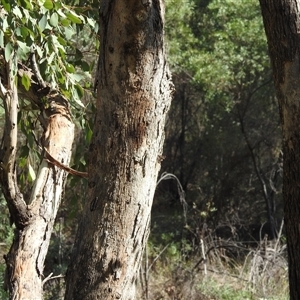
(135, 228)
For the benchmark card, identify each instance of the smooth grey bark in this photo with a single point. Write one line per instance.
(134, 94)
(282, 26)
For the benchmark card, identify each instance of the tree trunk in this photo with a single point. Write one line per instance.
(34, 217)
(134, 94)
(282, 26)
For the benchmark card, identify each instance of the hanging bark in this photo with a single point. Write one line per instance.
(282, 26)
(134, 94)
(34, 217)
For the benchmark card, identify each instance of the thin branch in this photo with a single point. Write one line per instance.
(50, 277)
(17, 207)
(35, 69)
(50, 159)
(3, 90)
(166, 176)
(158, 256)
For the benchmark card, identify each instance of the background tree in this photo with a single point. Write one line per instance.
(281, 20)
(223, 134)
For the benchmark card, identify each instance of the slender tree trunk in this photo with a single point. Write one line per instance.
(34, 217)
(282, 26)
(134, 94)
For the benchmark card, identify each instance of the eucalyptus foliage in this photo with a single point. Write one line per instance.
(47, 28)
(59, 36)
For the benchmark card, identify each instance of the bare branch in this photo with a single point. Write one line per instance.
(16, 204)
(58, 164)
(50, 277)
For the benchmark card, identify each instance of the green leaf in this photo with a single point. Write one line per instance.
(65, 22)
(51, 57)
(78, 55)
(26, 82)
(27, 4)
(24, 151)
(1, 39)
(75, 77)
(54, 19)
(85, 66)
(75, 97)
(69, 32)
(5, 25)
(43, 23)
(18, 32)
(31, 172)
(61, 13)
(24, 31)
(25, 49)
(61, 78)
(39, 51)
(58, 5)
(6, 5)
(79, 90)
(30, 138)
(55, 42)
(62, 53)
(8, 51)
(91, 22)
(22, 51)
(74, 18)
(62, 41)
(48, 4)
(70, 68)
(88, 134)
(17, 12)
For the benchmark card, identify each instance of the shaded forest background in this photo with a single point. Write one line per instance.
(220, 180)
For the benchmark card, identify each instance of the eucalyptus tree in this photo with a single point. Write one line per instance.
(38, 85)
(223, 136)
(134, 91)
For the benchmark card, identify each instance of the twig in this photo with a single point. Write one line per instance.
(53, 277)
(3, 90)
(35, 68)
(279, 236)
(166, 176)
(147, 274)
(227, 274)
(204, 256)
(215, 247)
(157, 257)
(50, 159)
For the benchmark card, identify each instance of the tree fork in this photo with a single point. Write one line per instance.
(34, 217)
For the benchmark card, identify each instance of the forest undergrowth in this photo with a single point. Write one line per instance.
(209, 268)
(218, 269)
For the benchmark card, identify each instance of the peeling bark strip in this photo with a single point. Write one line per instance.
(282, 26)
(34, 217)
(134, 95)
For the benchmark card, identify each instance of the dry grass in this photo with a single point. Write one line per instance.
(233, 272)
